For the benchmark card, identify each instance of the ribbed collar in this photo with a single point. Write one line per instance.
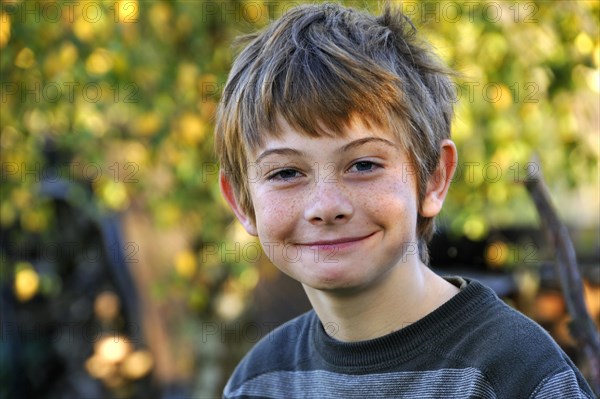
(404, 343)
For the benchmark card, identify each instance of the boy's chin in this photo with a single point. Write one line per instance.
(330, 289)
(339, 286)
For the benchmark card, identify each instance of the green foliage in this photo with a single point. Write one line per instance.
(129, 90)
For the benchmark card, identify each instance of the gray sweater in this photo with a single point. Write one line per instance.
(473, 346)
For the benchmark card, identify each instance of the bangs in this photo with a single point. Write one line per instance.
(318, 95)
(317, 83)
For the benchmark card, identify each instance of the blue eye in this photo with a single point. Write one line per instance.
(364, 166)
(285, 174)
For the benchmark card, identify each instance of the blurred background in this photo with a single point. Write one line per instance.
(122, 271)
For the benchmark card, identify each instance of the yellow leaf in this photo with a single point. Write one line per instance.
(475, 228)
(99, 62)
(147, 124)
(584, 43)
(4, 29)
(191, 128)
(496, 254)
(113, 193)
(68, 54)
(25, 59)
(127, 11)
(185, 264)
(137, 364)
(27, 282)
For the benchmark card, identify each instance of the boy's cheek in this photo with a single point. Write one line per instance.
(274, 224)
(270, 226)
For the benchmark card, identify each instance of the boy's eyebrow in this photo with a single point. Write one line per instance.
(365, 140)
(347, 147)
(280, 151)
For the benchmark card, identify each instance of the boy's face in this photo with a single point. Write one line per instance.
(335, 213)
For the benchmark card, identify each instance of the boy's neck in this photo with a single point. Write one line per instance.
(403, 297)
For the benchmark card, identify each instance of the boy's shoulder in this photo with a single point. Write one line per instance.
(474, 340)
(495, 327)
(283, 349)
(511, 350)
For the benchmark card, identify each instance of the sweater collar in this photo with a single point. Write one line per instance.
(406, 342)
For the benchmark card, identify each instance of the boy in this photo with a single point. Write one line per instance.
(333, 138)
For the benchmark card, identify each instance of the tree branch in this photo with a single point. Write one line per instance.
(581, 327)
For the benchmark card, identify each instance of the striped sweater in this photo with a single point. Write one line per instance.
(473, 346)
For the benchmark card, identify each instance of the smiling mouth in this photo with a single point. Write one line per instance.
(337, 242)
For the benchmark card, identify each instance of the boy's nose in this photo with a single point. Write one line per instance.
(328, 205)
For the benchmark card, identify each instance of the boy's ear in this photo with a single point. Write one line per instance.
(228, 193)
(439, 182)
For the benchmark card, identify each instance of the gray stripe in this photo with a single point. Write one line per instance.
(561, 385)
(443, 383)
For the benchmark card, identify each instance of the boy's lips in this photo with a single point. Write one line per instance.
(335, 242)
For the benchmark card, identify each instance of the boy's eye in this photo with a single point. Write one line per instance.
(285, 174)
(363, 166)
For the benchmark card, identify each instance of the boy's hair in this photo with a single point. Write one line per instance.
(317, 67)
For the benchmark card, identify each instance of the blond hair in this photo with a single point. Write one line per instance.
(317, 67)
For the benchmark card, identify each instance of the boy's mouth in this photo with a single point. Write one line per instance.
(335, 242)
